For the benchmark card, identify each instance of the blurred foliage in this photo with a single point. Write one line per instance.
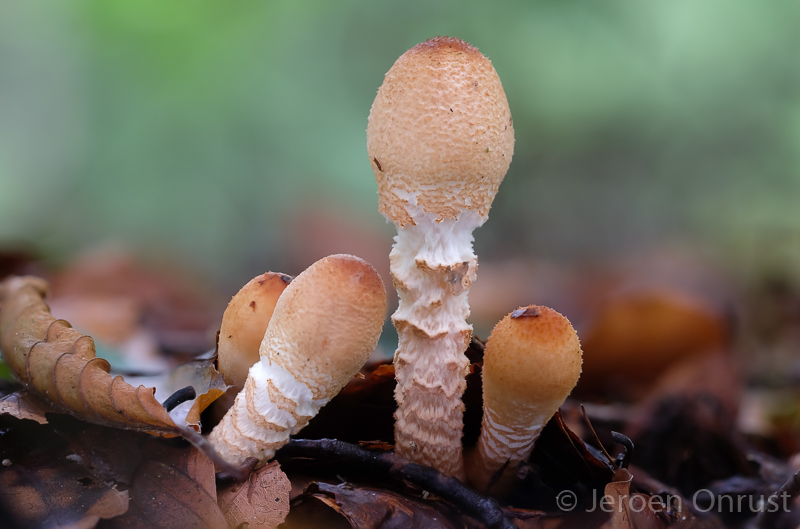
(199, 128)
(5, 371)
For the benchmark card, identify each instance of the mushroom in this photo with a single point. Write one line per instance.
(324, 328)
(531, 363)
(244, 324)
(440, 140)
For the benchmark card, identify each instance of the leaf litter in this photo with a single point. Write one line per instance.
(688, 409)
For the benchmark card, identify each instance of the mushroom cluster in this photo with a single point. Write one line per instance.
(440, 139)
(325, 325)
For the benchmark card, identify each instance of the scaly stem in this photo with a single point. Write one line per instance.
(505, 441)
(433, 266)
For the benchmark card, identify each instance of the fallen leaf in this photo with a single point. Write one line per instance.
(261, 501)
(364, 409)
(173, 487)
(208, 383)
(23, 405)
(112, 295)
(689, 441)
(369, 508)
(44, 483)
(59, 364)
(632, 338)
(618, 497)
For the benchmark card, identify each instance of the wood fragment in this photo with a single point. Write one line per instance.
(482, 508)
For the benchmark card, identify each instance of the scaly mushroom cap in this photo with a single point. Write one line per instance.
(532, 362)
(327, 323)
(440, 134)
(244, 324)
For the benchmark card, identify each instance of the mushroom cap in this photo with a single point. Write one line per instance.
(440, 132)
(532, 362)
(244, 323)
(327, 323)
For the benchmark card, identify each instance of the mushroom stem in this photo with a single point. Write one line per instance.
(324, 328)
(432, 266)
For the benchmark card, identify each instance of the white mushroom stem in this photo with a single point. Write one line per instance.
(324, 328)
(433, 266)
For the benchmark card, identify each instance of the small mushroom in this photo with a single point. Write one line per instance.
(440, 140)
(244, 324)
(531, 364)
(324, 328)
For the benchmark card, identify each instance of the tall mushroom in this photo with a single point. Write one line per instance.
(440, 140)
(324, 327)
(531, 363)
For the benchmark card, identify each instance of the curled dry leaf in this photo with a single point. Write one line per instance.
(59, 364)
(208, 384)
(261, 501)
(618, 494)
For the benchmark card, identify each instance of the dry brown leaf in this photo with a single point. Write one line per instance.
(208, 383)
(618, 495)
(364, 409)
(174, 487)
(59, 364)
(635, 336)
(113, 296)
(369, 508)
(261, 501)
(44, 483)
(23, 405)
(53, 500)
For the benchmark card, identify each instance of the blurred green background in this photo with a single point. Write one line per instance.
(232, 134)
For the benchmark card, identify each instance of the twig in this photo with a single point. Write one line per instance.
(594, 434)
(202, 444)
(773, 507)
(179, 397)
(623, 459)
(478, 506)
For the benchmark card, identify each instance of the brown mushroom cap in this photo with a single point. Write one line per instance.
(440, 126)
(327, 323)
(244, 323)
(324, 328)
(532, 362)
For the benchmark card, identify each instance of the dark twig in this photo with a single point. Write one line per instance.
(779, 502)
(247, 467)
(482, 508)
(202, 444)
(179, 397)
(623, 459)
(496, 476)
